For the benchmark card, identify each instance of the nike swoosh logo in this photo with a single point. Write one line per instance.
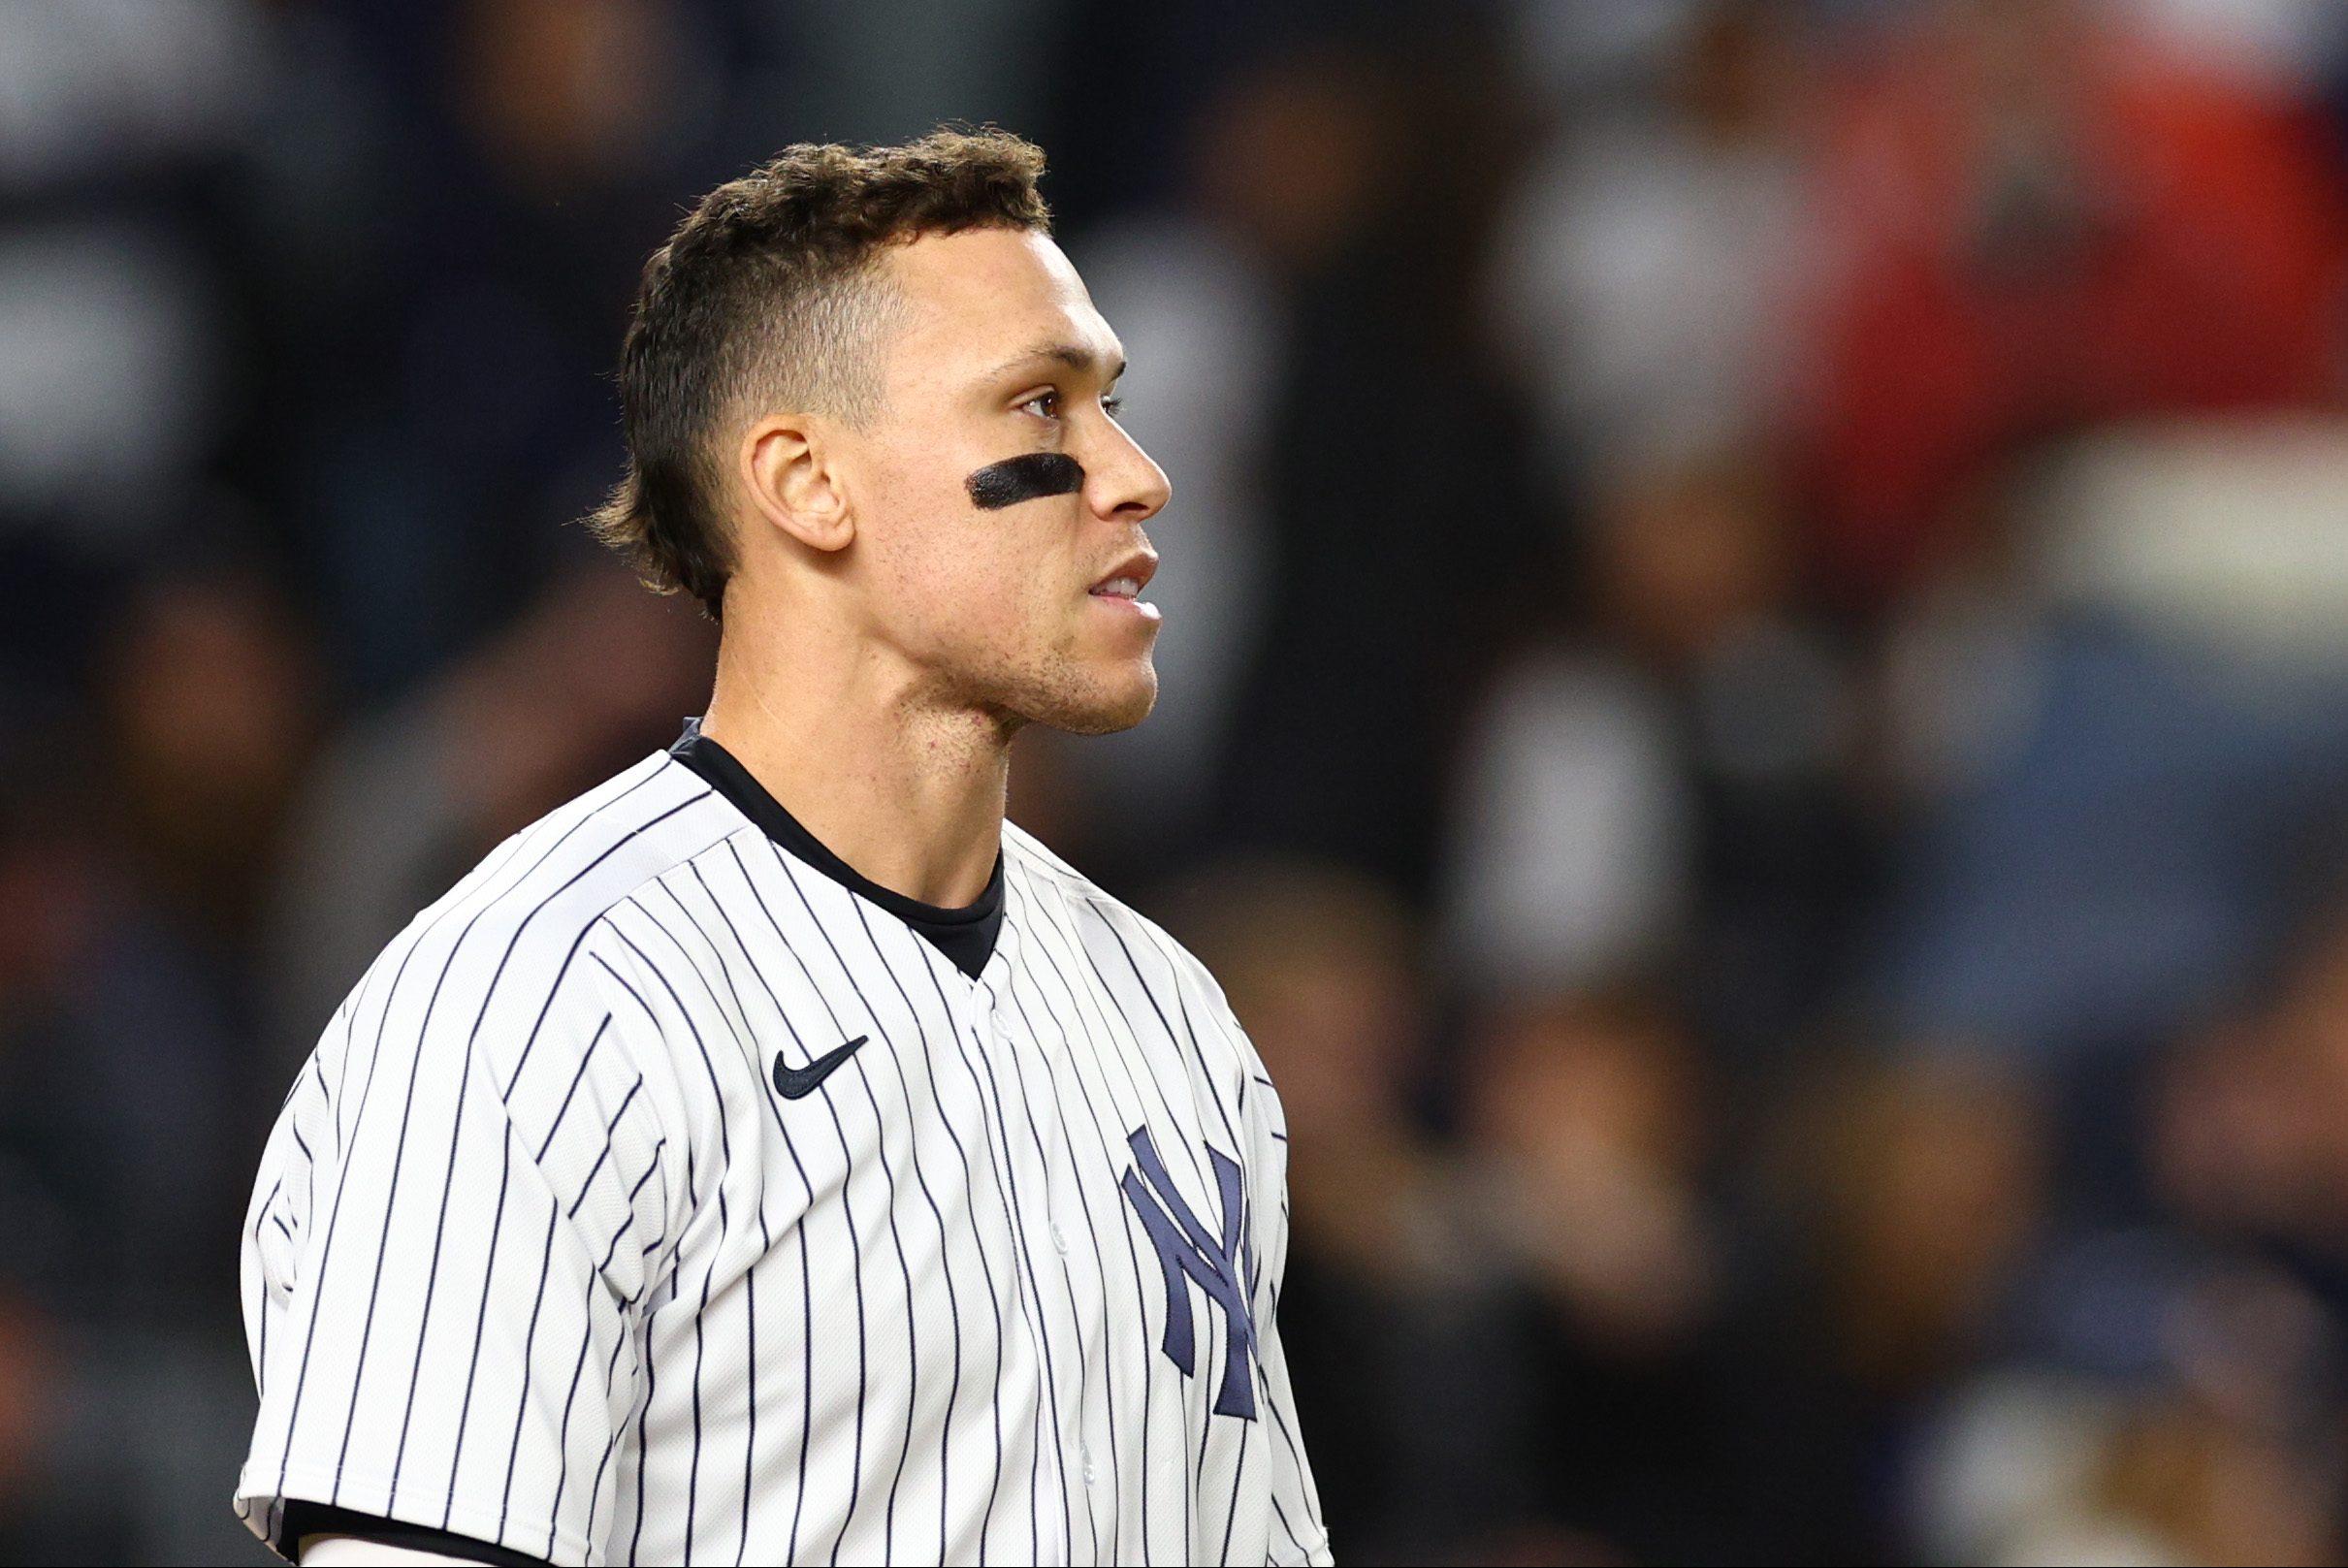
(796, 1083)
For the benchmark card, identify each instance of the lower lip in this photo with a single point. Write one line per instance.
(1119, 602)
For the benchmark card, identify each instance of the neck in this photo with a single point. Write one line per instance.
(908, 791)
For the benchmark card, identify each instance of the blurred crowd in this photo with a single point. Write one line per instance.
(1756, 698)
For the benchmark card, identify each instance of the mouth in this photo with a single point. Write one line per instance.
(1122, 587)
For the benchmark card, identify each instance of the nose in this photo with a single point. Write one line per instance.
(1121, 482)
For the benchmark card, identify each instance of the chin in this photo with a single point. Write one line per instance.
(1101, 704)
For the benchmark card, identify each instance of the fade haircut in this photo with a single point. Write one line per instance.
(771, 294)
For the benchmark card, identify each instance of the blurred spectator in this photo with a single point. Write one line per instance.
(2036, 218)
(1590, 1113)
(1588, 1126)
(499, 185)
(2245, 1119)
(1405, 543)
(2209, 1444)
(1674, 793)
(112, 115)
(2172, 1394)
(1889, 1230)
(135, 846)
(1576, 830)
(2120, 775)
(1650, 254)
(212, 707)
(126, 1125)
(1930, 1178)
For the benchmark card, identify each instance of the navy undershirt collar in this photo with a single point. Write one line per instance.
(965, 936)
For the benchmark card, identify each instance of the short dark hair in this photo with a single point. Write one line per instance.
(771, 288)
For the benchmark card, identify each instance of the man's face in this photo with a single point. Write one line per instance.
(1015, 610)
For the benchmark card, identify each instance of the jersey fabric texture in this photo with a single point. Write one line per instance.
(540, 1254)
(966, 935)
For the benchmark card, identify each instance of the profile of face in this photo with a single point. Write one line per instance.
(1008, 581)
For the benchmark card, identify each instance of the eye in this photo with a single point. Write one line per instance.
(1044, 404)
(1112, 405)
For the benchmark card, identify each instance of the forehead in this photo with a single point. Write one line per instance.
(977, 299)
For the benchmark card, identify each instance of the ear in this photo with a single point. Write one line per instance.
(786, 461)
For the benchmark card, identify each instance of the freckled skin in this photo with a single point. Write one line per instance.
(992, 606)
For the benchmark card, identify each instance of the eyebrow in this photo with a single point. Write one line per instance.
(1074, 356)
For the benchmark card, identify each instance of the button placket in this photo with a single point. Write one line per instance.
(1003, 1027)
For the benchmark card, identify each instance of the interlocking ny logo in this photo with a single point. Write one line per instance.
(1214, 1262)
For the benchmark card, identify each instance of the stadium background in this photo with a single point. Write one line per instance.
(1756, 719)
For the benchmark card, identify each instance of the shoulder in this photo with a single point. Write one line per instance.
(514, 942)
(1025, 852)
(1068, 897)
(1139, 960)
(563, 871)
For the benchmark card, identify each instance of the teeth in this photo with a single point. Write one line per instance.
(1124, 588)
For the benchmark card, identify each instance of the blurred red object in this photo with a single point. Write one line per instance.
(2037, 221)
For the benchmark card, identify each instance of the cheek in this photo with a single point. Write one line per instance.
(971, 586)
(930, 553)
(1024, 599)
(962, 585)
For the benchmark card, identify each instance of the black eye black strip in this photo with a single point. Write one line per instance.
(1025, 478)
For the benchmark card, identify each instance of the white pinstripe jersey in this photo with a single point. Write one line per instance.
(539, 1254)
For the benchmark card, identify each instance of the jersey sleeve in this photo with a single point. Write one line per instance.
(461, 1213)
(1298, 1534)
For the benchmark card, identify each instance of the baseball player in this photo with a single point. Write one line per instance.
(774, 1155)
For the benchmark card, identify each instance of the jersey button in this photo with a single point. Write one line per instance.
(1092, 1472)
(1059, 1239)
